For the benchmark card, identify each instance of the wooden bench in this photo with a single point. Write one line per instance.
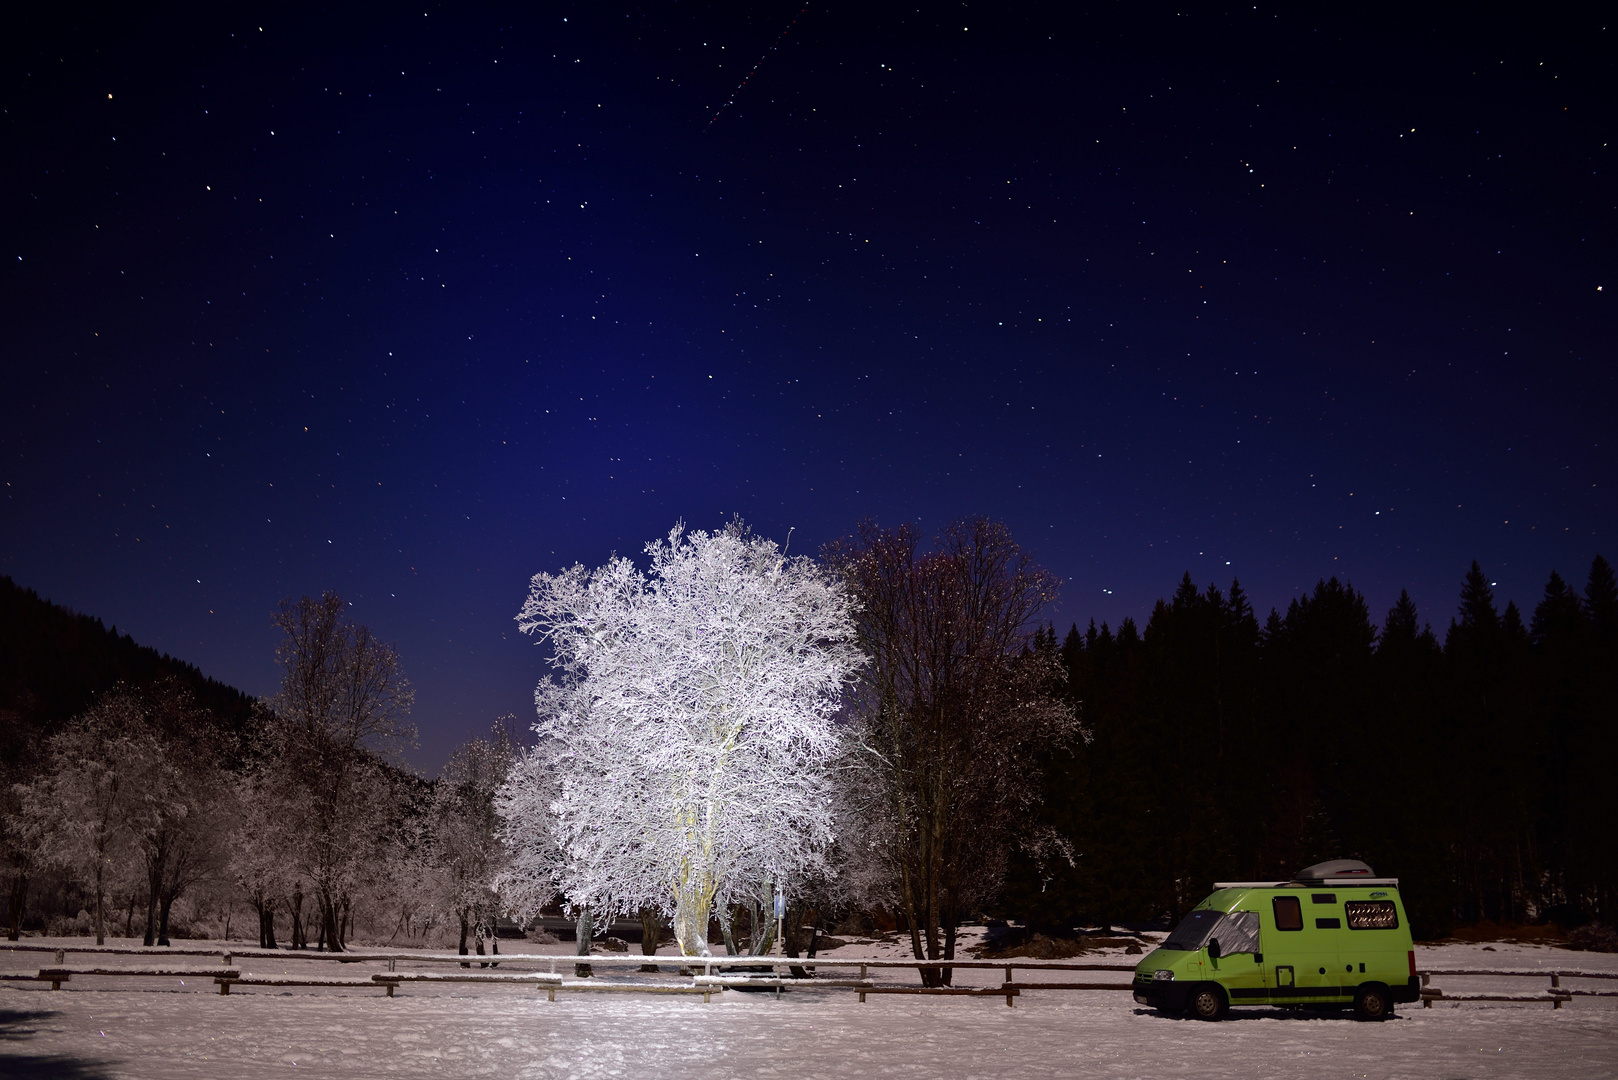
(780, 982)
(57, 976)
(549, 980)
(226, 982)
(595, 986)
(1073, 986)
(1554, 997)
(1007, 991)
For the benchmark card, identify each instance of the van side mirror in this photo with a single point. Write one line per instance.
(1213, 949)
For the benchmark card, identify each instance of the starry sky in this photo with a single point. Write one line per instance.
(413, 301)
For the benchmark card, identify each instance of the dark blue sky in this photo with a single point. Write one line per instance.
(413, 302)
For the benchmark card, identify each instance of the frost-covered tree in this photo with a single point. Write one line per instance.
(259, 863)
(23, 828)
(84, 798)
(463, 828)
(685, 744)
(180, 807)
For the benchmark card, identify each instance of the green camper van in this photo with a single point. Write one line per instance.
(1335, 935)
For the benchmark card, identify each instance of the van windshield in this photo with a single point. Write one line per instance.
(1193, 931)
(1237, 932)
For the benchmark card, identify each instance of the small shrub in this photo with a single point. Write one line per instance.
(1594, 937)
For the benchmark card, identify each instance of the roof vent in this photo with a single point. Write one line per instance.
(1334, 868)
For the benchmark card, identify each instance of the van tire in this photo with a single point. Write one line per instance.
(1373, 1003)
(1207, 1002)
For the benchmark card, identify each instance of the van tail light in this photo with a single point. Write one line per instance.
(1412, 955)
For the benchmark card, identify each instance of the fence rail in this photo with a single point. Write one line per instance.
(707, 963)
(1556, 993)
(712, 973)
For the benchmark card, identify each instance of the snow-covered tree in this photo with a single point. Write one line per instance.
(466, 853)
(259, 862)
(685, 745)
(179, 809)
(85, 796)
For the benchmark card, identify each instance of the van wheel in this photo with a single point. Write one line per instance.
(1371, 1003)
(1207, 1002)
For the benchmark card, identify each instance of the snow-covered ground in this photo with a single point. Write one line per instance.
(149, 1028)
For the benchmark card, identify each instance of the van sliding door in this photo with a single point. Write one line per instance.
(1300, 959)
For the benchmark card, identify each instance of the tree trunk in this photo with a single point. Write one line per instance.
(764, 941)
(727, 930)
(266, 922)
(16, 901)
(295, 905)
(462, 949)
(100, 929)
(693, 909)
(792, 936)
(129, 916)
(651, 925)
(583, 931)
(154, 888)
(907, 896)
(328, 924)
(163, 919)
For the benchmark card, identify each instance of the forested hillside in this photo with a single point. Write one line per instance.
(54, 662)
(1474, 766)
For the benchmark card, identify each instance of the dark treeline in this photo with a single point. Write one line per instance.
(1476, 768)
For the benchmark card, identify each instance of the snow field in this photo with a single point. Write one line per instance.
(496, 1032)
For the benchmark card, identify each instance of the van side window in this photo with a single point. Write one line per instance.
(1288, 913)
(1371, 915)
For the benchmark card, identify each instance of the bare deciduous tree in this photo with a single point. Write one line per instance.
(342, 693)
(952, 705)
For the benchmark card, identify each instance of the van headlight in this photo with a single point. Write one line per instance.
(1162, 975)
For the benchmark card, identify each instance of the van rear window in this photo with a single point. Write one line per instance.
(1288, 913)
(1372, 915)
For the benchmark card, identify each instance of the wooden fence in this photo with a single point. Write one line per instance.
(1556, 993)
(706, 975)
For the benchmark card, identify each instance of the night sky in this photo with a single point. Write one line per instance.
(413, 302)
